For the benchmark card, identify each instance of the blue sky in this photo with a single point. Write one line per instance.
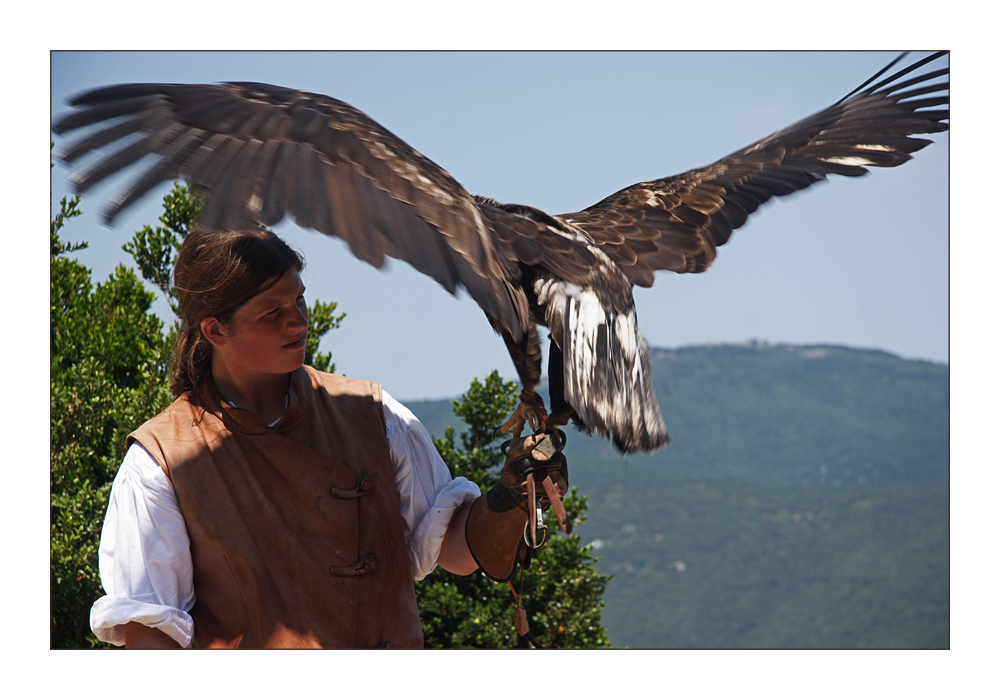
(857, 262)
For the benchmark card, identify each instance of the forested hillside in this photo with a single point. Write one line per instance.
(803, 502)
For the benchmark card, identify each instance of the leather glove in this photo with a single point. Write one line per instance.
(495, 530)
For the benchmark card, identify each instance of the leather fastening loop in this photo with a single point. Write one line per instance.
(369, 563)
(364, 485)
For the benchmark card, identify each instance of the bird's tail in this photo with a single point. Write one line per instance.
(607, 376)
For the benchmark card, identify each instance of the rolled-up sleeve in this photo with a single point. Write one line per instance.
(144, 557)
(428, 495)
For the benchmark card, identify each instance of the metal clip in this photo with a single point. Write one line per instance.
(536, 519)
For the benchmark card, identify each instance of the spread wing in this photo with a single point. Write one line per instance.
(259, 152)
(678, 222)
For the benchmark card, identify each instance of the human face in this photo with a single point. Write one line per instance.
(267, 335)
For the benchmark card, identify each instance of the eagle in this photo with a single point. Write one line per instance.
(258, 153)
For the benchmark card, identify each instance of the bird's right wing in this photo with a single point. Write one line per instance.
(260, 151)
(678, 222)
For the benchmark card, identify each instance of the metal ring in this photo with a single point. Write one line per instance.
(544, 529)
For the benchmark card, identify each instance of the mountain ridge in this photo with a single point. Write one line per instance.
(782, 412)
(802, 503)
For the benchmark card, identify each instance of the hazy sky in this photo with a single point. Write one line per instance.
(861, 262)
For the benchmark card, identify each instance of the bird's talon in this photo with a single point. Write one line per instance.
(524, 413)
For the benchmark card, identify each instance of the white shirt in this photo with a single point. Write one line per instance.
(145, 556)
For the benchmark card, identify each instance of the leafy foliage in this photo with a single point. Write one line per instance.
(322, 320)
(107, 362)
(562, 589)
(155, 249)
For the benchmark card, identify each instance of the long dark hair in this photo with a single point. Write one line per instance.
(217, 273)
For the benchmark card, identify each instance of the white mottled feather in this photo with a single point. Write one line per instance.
(606, 364)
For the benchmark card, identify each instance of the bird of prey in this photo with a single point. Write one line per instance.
(259, 152)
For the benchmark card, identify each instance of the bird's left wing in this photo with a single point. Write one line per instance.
(259, 151)
(678, 222)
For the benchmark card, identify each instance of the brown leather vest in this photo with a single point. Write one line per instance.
(296, 535)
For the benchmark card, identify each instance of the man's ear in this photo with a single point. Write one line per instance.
(213, 331)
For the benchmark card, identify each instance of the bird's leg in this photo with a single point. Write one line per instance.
(530, 410)
(559, 418)
(561, 412)
(527, 357)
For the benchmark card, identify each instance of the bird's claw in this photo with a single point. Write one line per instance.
(524, 413)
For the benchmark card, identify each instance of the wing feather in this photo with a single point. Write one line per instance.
(870, 127)
(261, 152)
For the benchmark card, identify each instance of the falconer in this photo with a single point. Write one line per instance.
(274, 505)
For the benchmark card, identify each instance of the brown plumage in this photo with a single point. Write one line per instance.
(259, 152)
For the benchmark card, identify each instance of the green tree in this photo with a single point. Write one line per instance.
(107, 363)
(561, 589)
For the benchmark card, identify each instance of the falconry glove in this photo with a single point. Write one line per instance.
(501, 527)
